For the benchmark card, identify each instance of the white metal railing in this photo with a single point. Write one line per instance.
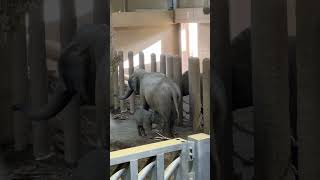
(193, 161)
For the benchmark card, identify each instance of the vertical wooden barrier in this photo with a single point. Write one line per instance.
(111, 88)
(17, 40)
(170, 66)
(121, 81)
(131, 70)
(153, 63)
(68, 21)
(308, 88)
(71, 125)
(206, 94)
(270, 89)
(141, 60)
(177, 76)
(222, 63)
(38, 78)
(163, 63)
(101, 14)
(194, 96)
(115, 87)
(68, 25)
(141, 66)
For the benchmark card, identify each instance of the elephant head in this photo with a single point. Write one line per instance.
(134, 83)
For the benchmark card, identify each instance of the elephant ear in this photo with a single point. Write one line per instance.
(135, 84)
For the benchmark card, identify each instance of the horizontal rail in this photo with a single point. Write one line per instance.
(144, 151)
(179, 167)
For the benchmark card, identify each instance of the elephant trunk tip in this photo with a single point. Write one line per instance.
(126, 95)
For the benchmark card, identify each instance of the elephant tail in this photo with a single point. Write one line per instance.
(176, 98)
(58, 103)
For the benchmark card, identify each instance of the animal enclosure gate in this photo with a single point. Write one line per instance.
(193, 162)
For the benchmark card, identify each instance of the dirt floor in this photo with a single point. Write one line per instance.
(123, 134)
(123, 130)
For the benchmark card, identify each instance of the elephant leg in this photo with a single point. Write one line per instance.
(166, 124)
(144, 103)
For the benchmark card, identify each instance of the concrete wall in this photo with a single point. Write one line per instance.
(190, 3)
(117, 5)
(203, 42)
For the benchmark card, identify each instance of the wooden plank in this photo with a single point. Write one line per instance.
(142, 18)
(190, 15)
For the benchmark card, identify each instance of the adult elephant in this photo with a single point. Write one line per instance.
(79, 63)
(159, 93)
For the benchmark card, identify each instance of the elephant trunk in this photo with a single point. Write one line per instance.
(58, 102)
(128, 94)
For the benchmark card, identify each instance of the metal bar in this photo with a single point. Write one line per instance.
(179, 168)
(184, 165)
(149, 150)
(144, 172)
(134, 170)
(171, 168)
(201, 154)
(160, 166)
(118, 174)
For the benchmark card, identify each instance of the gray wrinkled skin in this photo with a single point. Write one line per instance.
(158, 93)
(83, 59)
(145, 120)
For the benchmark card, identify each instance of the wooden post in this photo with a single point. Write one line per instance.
(194, 96)
(38, 78)
(121, 81)
(101, 15)
(68, 26)
(177, 76)
(71, 127)
(153, 62)
(163, 63)
(308, 71)
(131, 70)
(100, 12)
(270, 89)
(206, 95)
(141, 60)
(141, 66)
(170, 66)
(6, 122)
(222, 66)
(68, 22)
(17, 40)
(111, 88)
(115, 87)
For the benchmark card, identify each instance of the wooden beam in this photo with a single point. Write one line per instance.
(191, 15)
(143, 18)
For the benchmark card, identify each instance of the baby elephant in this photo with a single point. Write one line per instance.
(145, 119)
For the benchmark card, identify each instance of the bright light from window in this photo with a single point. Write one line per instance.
(183, 40)
(154, 48)
(193, 39)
